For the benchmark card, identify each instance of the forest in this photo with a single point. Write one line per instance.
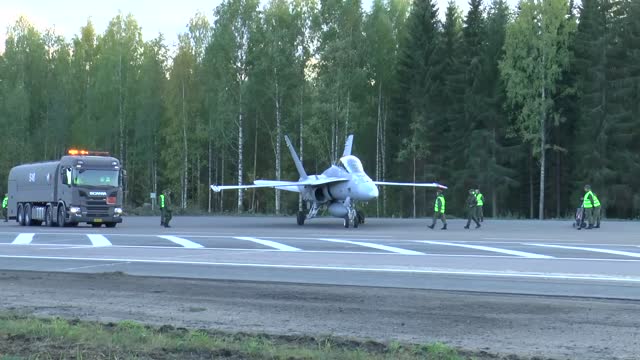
(528, 104)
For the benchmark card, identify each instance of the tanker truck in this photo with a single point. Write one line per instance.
(82, 187)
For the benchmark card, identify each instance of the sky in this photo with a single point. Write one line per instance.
(153, 16)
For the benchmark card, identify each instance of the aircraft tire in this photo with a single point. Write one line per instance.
(301, 218)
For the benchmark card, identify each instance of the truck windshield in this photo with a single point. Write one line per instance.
(91, 177)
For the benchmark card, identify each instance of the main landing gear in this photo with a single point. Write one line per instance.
(313, 211)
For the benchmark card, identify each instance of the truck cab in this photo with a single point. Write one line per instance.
(91, 188)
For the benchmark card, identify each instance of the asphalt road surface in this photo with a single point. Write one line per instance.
(524, 287)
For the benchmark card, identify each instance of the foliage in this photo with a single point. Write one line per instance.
(475, 100)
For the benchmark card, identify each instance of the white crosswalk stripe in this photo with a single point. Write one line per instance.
(393, 249)
(490, 248)
(183, 242)
(269, 243)
(604, 251)
(98, 240)
(23, 239)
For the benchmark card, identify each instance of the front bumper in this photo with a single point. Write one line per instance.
(79, 218)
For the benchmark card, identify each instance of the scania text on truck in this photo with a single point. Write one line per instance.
(83, 187)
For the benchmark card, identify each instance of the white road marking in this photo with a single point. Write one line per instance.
(273, 244)
(69, 246)
(524, 239)
(392, 249)
(561, 276)
(98, 240)
(492, 249)
(94, 266)
(23, 239)
(180, 241)
(605, 251)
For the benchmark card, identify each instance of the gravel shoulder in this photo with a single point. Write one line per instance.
(517, 325)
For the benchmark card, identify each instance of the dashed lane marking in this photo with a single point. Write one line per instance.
(392, 249)
(489, 248)
(269, 243)
(604, 251)
(98, 240)
(180, 241)
(23, 239)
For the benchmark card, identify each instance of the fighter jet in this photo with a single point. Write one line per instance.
(337, 189)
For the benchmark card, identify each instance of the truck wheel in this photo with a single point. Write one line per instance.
(27, 215)
(61, 220)
(48, 218)
(20, 215)
(110, 225)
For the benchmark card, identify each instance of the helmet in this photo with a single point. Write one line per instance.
(587, 187)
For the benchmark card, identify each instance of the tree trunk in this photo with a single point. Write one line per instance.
(384, 161)
(494, 196)
(278, 140)
(543, 157)
(414, 188)
(346, 124)
(531, 185)
(378, 147)
(240, 153)
(222, 162)
(210, 156)
(209, 172)
(301, 141)
(558, 175)
(185, 178)
(255, 166)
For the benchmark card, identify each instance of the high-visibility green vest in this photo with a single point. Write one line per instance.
(5, 202)
(162, 201)
(588, 204)
(442, 204)
(480, 199)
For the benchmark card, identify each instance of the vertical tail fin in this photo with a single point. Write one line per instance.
(347, 146)
(295, 157)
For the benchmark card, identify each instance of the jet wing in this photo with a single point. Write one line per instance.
(435, 185)
(284, 185)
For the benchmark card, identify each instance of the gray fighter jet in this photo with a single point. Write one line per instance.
(337, 189)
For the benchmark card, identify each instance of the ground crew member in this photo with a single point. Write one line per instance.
(438, 211)
(165, 208)
(479, 205)
(472, 203)
(5, 210)
(591, 206)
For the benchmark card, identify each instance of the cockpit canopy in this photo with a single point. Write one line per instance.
(352, 164)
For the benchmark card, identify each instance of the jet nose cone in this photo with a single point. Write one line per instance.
(372, 191)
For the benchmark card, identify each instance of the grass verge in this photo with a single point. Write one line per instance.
(26, 337)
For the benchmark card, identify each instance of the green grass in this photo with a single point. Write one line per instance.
(30, 338)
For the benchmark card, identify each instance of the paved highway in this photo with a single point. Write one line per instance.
(519, 257)
(523, 288)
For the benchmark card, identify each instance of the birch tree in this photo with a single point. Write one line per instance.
(536, 53)
(235, 20)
